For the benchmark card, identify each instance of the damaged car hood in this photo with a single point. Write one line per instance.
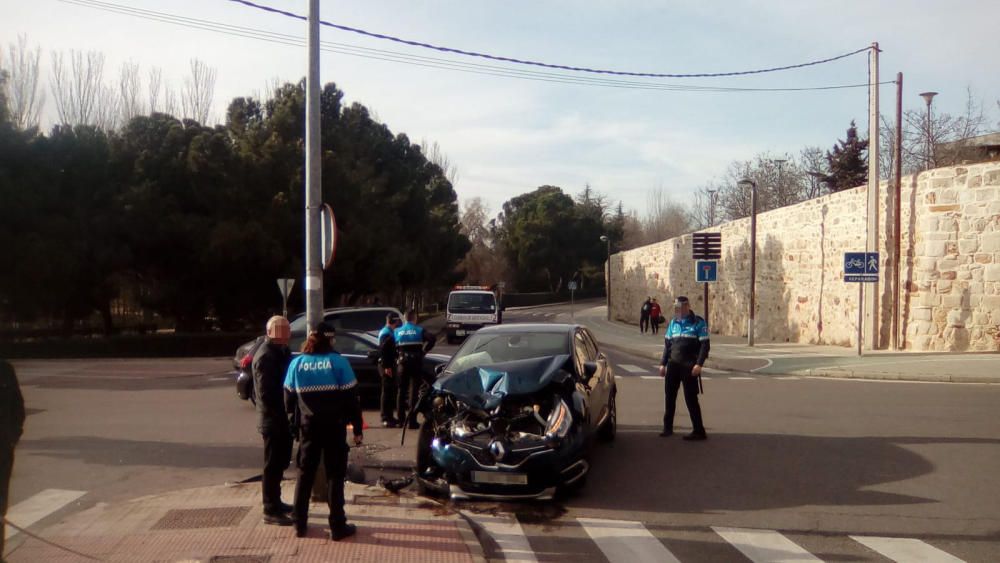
(486, 386)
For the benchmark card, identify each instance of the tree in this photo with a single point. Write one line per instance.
(129, 87)
(847, 162)
(198, 92)
(79, 91)
(24, 99)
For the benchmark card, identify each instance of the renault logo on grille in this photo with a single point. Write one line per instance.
(497, 449)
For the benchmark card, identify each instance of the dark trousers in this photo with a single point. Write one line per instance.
(411, 377)
(655, 321)
(327, 442)
(643, 323)
(390, 394)
(6, 467)
(277, 458)
(680, 375)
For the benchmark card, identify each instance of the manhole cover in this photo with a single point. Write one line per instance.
(197, 518)
(240, 559)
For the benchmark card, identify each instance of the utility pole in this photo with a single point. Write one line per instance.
(871, 295)
(314, 262)
(711, 207)
(897, 210)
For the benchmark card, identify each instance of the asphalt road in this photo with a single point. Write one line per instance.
(811, 461)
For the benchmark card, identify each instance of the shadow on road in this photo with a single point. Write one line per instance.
(642, 471)
(105, 451)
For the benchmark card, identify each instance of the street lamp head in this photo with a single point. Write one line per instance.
(604, 238)
(746, 184)
(928, 96)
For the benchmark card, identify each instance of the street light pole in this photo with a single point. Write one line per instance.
(314, 263)
(929, 97)
(711, 207)
(752, 185)
(607, 286)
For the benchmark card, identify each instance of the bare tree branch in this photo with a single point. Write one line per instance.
(129, 86)
(78, 90)
(155, 83)
(24, 99)
(198, 92)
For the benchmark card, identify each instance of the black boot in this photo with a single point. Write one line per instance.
(278, 519)
(696, 436)
(338, 533)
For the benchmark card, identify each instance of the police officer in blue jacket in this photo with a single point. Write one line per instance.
(387, 358)
(412, 343)
(685, 349)
(321, 397)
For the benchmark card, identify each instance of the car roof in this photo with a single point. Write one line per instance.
(515, 328)
(353, 309)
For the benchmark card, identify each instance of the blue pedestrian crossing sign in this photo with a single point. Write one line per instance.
(861, 267)
(706, 270)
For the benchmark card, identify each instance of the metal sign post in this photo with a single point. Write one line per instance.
(328, 236)
(285, 286)
(706, 251)
(861, 268)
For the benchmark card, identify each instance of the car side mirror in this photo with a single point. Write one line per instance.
(438, 369)
(589, 369)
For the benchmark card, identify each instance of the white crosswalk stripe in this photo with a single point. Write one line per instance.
(632, 368)
(765, 546)
(508, 534)
(624, 541)
(906, 550)
(38, 506)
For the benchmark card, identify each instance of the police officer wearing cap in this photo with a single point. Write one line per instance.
(412, 343)
(321, 393)
(685, 349)
(270, 364)
(387, 358)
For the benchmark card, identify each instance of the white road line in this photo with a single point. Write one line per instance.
(905, 549)
(549, 315)
(765, 546)
(508, 534)
(788, 377)
(619, 377)
(632, 368)
(626, 542)
(219, 378)
(650, 377)
(34, 508)
(740, 378)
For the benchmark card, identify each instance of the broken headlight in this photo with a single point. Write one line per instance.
(559, 422)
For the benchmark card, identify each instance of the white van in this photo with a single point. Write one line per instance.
(470, 308)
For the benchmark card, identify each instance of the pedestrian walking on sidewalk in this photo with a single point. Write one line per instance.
(322, 389)
(270, 365)
(655, 316)
(685, 349)
(644, 312)
(11, 428)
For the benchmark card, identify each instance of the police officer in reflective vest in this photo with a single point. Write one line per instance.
(387, 358)
(686, 346)
(412, 343)
(321, 396)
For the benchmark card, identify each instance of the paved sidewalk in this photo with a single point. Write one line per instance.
(778, 358)
(223, 524)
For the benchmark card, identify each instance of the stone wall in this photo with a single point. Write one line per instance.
(949, 280)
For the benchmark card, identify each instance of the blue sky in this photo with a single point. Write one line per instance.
(507, 136)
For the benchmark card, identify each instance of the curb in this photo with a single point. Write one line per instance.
(889, 376)
(530, 307)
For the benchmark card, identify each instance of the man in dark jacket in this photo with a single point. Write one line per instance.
(322, 388)
(270, 365)
(387, 358)
(644, 311)
(11, 427)
(685, 349)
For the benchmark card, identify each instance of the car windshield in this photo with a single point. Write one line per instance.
(361, 321)
(472, 303)
(486, 349)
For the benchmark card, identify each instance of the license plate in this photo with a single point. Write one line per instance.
(489, 477)
(460, 332)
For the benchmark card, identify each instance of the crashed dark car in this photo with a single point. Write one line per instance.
(514, 414)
